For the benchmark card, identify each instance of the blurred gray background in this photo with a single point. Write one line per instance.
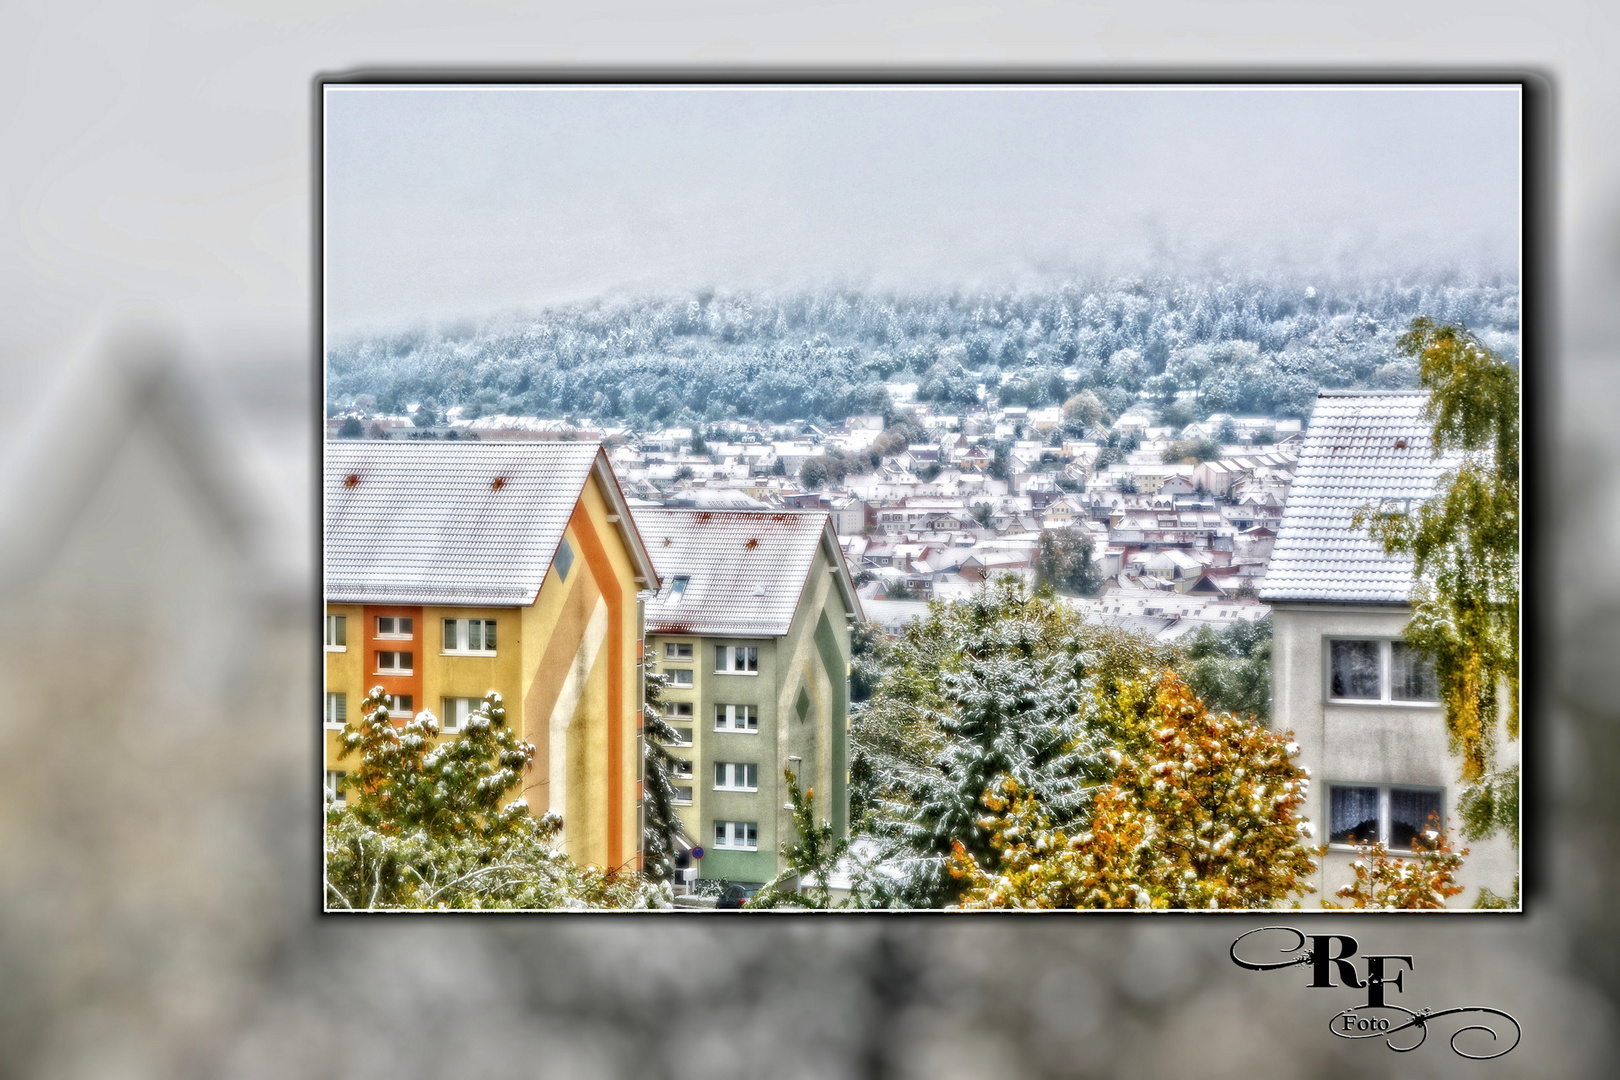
(158, 791)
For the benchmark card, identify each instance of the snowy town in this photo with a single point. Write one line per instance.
(780, 549)
(1175, 542)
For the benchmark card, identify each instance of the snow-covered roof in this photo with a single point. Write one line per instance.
(745, 569)
(1361, 447)
(458, 523)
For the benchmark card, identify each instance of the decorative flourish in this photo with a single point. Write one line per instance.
(1295, 961)
(1332, 960)
(1351, 1024)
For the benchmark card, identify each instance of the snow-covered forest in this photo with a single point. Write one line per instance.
(1253, 346)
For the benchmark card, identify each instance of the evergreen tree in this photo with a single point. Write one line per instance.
(427, 824)
(813, 474)
(1005, 683)
(811, 857)
(1063, 562)
(1000, 462)
(351, 428)
(661, 824)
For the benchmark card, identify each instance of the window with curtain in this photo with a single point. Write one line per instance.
(1353, 815)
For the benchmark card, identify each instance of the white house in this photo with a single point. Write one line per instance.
(1363, 707)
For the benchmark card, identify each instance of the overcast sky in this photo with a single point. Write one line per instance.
(455, 202)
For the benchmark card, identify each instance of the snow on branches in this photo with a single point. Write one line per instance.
(427, 823)
(1203, 812)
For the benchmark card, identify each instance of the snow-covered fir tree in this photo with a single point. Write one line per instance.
(427, 823)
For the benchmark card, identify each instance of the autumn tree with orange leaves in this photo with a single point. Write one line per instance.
(1425, 880)
(1203, 812)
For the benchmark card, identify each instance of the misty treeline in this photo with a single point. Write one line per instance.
(1254, 346)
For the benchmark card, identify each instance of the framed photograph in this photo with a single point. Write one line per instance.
(1025, 494)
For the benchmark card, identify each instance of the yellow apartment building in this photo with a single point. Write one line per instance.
(453, 569)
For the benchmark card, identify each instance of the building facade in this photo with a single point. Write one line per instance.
(455, 569)
(752, 628)
(1364, 708)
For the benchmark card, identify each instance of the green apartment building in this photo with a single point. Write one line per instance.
(752, 626)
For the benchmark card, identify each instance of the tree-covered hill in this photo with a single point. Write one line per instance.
(1248, 346)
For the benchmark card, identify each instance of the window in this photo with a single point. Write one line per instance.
(736, 659)
(395, 663)
(399, 705)
(1411, 674)
(681, 768)
(470, 636)
(680, 676)
(677, 588)
(735, 776)
(334, 790)
(337, 633)
(1393, 816)
(564, 559)
(394, 626)
(683, 796)
(337, 709)
(1380, 671)
(683, 736)
(736, 718)
(678, 650)
(457, 711)
(743, 835)
(680, 709)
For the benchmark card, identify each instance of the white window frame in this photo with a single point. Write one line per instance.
(1386, 676)
(738, 660)
(679, 710)
(457, 711)
(677, 588)
(678, 732)
(463, 632)
(736, 835)
(329, 717)
(333, 778)
(680, 678)
(677, 650)
(736, 776)
(726, 718)
(1384, 817)
(396, 670)
(681, 769)
(395, 710)
(340, 623)
(396, 634)
(683, 796)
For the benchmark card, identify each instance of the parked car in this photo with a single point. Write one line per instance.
(734, 898)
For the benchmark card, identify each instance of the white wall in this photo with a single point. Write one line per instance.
(1372, 744)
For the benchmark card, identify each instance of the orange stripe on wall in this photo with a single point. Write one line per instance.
(394, 684)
